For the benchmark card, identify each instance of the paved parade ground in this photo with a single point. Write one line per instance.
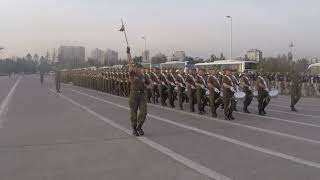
(85, 135)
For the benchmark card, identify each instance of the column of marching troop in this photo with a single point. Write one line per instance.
(200, 88)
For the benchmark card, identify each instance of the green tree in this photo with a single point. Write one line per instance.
(137, 59)
(222, 56)
(159, 58)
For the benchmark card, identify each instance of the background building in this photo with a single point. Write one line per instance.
(178, 56)
(98, 54)
(74, 54)
(146, 56)
(254, 55)
(110, 57)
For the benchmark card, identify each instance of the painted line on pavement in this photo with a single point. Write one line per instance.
(312, 141)
(179, 158)
(223, 138)
(288, 107)
(265, 117)
(280, 119)
(7, 100)
(296, 113)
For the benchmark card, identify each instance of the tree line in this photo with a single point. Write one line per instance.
(27, 65)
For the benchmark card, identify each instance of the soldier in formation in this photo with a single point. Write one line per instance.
(177, 87)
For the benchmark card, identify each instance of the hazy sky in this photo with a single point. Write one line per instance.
(198, 27)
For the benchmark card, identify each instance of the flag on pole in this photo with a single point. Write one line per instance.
(122, 28)
(291, 45)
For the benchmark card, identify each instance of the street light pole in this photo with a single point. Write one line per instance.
(230, 17)
(145, 49)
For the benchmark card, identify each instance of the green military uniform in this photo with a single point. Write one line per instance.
(295, 90)
(200, 93)
(228, 97)
(171, 87)
(163, 89)
(137, 100)
(58, 81)
(155, 87)
(263, 95)
(214, 94)
(246, 87)
(149, 89)
(181, 85)
(191, 91)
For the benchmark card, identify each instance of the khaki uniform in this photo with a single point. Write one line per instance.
(295, 89)
(214, 94)
(181, 86)
(228, 96)
(263, 95)
(137, 99)
(201, 93)
(191, 91)
(246, 87)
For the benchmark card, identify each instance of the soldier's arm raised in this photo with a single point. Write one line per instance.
(129, 59)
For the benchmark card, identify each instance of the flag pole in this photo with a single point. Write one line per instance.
(124, 31)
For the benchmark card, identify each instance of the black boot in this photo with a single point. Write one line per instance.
(261, 113)
(264, 112)
(231, 117)
(246, 110)
(214, 115)
(293, 109)
(140, 131)
(134, 130)
(135, 133)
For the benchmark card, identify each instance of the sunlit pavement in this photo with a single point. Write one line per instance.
(83, 134)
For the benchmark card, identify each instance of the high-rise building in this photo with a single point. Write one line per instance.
(98, 54)
(71, 54)
(146, 56)
(254, 55)
(178, 56)
(110, 57)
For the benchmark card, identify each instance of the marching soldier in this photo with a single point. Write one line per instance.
(171, 85)
(236, 84)
(163, 88)
(148, 78)
(246, 87)
(263, 95)
(181, 86)
(41, 76)
(228, 95)
(155, 86)
(58, 81)
(201, 91)
(137, 98)
(295, 90)
(191, 88)
(214, 93)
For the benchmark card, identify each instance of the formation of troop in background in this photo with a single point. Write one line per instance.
(199, 87)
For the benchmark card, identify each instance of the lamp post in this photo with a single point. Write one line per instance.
(145, 50)
(230, 17)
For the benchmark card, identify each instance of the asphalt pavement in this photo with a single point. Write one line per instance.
(83, 134)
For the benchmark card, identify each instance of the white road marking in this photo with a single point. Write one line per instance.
(312, 141)
(296, 114)
(179, 158)
(6, 101)
(266, 117)
(223, 138)
(288, 107)
(279, 119)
